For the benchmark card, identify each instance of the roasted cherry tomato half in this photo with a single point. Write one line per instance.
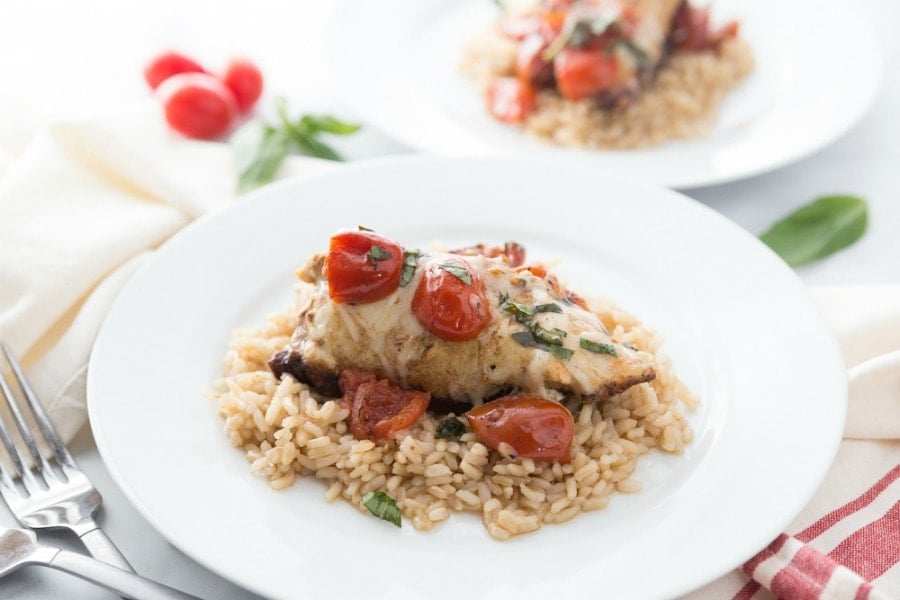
(451, 301)
(167, 64)
(525, 425)
(378, 408)
(510, 100)
(584, 72)
(197, 105)
(362, 266)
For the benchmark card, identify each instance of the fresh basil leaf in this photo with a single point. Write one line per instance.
(382, 506)
(410, 258)
(259, 150)
(313, 147)
(819, 229)
(449, 427)
(636, 51)
(598, 347)
(457, 270)
(303, 138)
(328, 124)
(377, 253)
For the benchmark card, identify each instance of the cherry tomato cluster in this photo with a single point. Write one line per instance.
(450, 300)
(197, 103)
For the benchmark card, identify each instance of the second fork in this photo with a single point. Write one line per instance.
(47, 492)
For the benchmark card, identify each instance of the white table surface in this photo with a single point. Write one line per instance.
(63, 57)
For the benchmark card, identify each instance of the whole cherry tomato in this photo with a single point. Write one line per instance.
(451, 301)
(167, 64)
(525, 425)
(379, 409)
(197, 105)
(245, 81)
(584, 72)
(362, 266)
(510, 100)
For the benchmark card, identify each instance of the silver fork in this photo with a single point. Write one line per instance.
(39, 495)
(19, 548)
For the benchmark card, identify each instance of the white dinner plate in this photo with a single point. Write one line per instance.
(396, 62)
(738, 324)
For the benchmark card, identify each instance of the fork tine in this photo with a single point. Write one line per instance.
(21, 470)
(60, 452)
(24, 429)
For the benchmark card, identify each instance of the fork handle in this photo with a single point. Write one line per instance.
(103, 548)
(116, 580)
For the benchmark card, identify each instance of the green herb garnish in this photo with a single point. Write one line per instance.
(577, 32)
(548, 308)
(522, 312)
(552, 337)
(377, 253)
(410, 257)
(458, 271)
(598, 347)
(819, 229)
(530, 340)
(636, 51)
(449, 427)
(260, 148)
(364, 228)
(382, 506)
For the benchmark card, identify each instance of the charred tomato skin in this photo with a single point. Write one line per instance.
(378, 408)
(525, 425)
(447, 306)
(362, 266)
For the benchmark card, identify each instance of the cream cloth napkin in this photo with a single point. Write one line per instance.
(84, 201)
(81, 205)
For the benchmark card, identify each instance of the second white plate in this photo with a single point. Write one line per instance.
(818, 69)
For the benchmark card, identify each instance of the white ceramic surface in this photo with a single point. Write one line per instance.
(818, 67)
(738, 324)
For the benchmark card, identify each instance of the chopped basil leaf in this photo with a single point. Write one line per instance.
(382, 506)
(552, 337)
(577, 32)
(521, 311)
(598, 347)
(364, 228)
(377, 253)
(560, 353)
(530, 340)
(550, 307)
(636, 51)
(459, 271)
(410, 257)
(449, 427)
(525, 338)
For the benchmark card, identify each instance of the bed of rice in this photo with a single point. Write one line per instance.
(285, 433)
(682, 102)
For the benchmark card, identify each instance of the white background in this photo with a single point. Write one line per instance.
(59, 58)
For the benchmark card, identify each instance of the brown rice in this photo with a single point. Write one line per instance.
(681, 103)
(286, 432)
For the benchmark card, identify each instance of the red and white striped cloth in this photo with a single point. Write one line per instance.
(846, 542)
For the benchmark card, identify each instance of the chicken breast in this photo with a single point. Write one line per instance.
(385, 338)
